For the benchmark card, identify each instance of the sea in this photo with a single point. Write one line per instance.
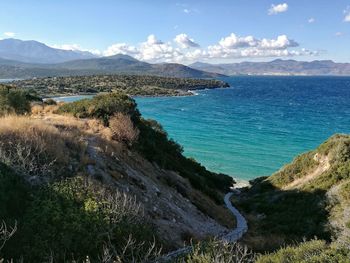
(257, 125)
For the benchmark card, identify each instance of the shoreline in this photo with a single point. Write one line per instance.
(188, 93)
(182, 93)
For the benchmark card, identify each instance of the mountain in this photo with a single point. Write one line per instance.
(118, 64)
(278, 67)
(36, 52)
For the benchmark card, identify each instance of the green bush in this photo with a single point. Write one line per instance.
(315, 251)
(345, 191)
(14, 195)
(13, 101)
(50, 102)
(73, 219)
(102, 107)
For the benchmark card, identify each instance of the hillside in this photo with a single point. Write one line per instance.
(118, 64)
(305, 199)
(92, 177)
(278, 67)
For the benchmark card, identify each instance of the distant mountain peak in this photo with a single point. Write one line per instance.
(31, 51)
(123, 56)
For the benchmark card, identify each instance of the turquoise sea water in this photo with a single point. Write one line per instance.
(257, 125)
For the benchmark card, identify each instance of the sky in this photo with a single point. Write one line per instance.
(221, 31)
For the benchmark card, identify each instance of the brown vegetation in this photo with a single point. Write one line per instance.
(123, 129)
(34, 148)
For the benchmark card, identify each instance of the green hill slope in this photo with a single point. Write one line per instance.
(305, 199)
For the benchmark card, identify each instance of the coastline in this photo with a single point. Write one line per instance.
(188, 93)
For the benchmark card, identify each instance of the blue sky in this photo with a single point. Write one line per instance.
(186, 31)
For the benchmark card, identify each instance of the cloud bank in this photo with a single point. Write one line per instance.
(183, 49)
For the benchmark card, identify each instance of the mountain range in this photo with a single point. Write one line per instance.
(28, 59)
(277, 67)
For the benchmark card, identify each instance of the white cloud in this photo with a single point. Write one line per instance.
(347, 14)
(152, 50)
(76, 47)
(120, 48)
(187, 11)
(282, 42)
(232, 41)
(311, 20)
(276, 9)
(155, 50)
(9, 34)
(339, 34)
(184, 41)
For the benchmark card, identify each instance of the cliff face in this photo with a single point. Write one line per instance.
(307, 198)
(168, 199)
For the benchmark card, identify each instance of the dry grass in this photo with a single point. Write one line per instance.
(123, 129)
(39, 109)
(33, 147)
(219, 252)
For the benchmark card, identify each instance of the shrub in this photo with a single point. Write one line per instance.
(13, 101)
(345, 191)
(102, 107)
(50, 102)
(37, 109)
(218, 252)
(78, 217)
(316, 251)
(123, 129)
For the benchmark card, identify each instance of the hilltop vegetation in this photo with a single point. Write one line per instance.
(306, 198)
(131, 84)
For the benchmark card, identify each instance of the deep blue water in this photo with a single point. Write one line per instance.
(257, 125)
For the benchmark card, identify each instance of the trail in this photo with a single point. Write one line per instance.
(231, 237)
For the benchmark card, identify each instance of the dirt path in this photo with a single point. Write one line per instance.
(233, 236)
(320, 169)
